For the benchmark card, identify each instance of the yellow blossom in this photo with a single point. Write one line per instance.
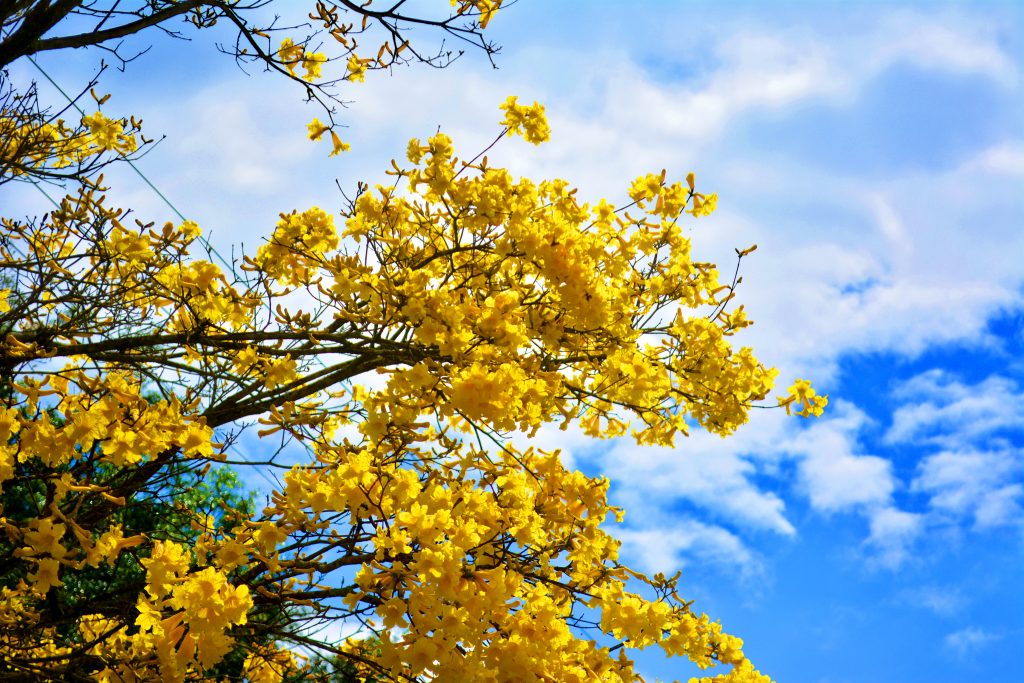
(528, 121)
(338, 145)
(317, 129)
(290, 54)
(356, 69)
(802, 393)
(312, 63)
(704, 205)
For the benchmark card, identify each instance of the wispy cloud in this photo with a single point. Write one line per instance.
(943, 41)
(893, 533)
(983, 486)
(976, 474)
(969, 641)
(833, 476)
(1005, 158)
(722, 482)
(672, 546)
(941, 600)
(939, 409)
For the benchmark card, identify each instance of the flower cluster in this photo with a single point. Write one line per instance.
(528, 121)
(294, 56)
(802, 394)
(27, 144)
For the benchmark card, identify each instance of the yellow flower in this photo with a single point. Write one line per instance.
(645, 188)
(190, 230)
(109, 546)
(269, 536)
(528, 121)
(316, 129)
(703, 205)
(486, 9)
(108, 134)
(245, 359)
(356, 69)
(290, 54)
(339, 146)
(46, 575)
(311, 62)
(195, 442)
(149, 617)
(121, 447)
(802, 393)
(279, 372)
(414, 151)
(44, 538)
(164, 566)
(231, 554)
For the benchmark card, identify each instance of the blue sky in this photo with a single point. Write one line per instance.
(874, 151)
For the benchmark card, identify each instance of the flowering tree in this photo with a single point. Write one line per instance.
(415, 542)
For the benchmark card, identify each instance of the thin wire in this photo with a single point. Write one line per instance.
(206, 243)
(274, 485)
(40, 188)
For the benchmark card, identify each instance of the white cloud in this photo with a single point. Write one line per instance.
(840, 481)
(976, 474)
(831, 474)
(723, 485)
(1006, 158)
(968, 641)
(755, 71)
(940, 409)
(719, 480)
(978, 485)
(1000, 506)
(755, 68)
(836, 477)
(890, 224)
(893, 533)
(949, 42)
(667, 548)
(727, 481)
(941, 600)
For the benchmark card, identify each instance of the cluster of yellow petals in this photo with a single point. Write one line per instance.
(69, 420)
(316, 131)
(485, 9)
(294, 56)
(27, 144)
(356, 68)
(531, 303)
(202, 606)
(106, 134)
(296, 249)
(180, 627)
(93, 418)
(802, 394)
(529, 121)
(560, 276)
